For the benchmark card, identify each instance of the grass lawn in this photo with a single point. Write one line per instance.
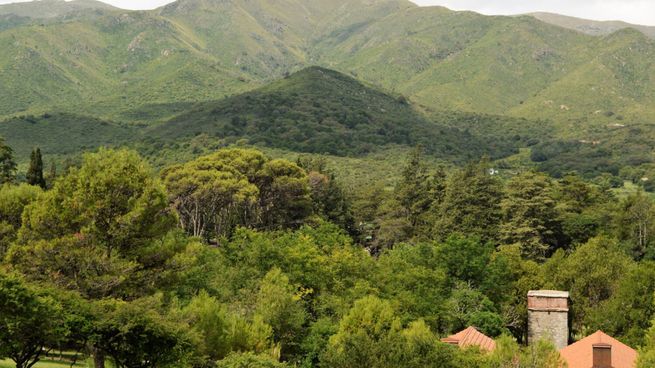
(43, 364)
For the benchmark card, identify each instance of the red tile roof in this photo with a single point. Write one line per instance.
(580, 354)
(471, 337)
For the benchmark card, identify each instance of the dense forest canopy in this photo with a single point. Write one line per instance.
(236, 259)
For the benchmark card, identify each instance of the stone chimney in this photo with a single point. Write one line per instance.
(602, 356)
(548, 317)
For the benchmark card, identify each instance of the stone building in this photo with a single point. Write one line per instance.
(548, 317)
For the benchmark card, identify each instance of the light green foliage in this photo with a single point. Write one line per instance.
(627, 314)
(422, 348)
(369, 335)
(201, 196)
(30, 322)
(112, 201)
(647, 352)
(591, 273)
(469, 307)
(108, 215)
(13, 199)
(138, 335)
(222, 332)
(275, 281)
(249, 360)
(323, 262)
(280, 305)
(72, 264)
(214, 194)
(541, 354)
(413, 279)
(465, 259)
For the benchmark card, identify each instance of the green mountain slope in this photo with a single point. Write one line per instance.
(62, 134)
(112, 63)
(320, 111)
(190, 50)
(616, 82)
(115, 64)
(315, 110)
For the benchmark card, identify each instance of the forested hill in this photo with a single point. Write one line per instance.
(195, 50)
(321, 111)
(315, 110)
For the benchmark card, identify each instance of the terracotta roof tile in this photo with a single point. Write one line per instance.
(471, 337)
(580, 354)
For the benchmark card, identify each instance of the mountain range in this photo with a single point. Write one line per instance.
(104, 60)
(194, 66)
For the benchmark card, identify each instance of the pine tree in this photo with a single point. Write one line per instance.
(471, 204)
(35, 171)
(530, 215)
(414, 191)
(7, 163)
(52, 174)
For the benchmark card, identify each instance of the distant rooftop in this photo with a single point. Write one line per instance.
(471, 337)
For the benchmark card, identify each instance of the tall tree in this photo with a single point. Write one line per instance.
(367, 336)
(280, 306)
(471, 204)
(529, 215)
(7, 163)
(29, 322)
(329, 198)
(635, 224)
(35, 171)
(591, 273)
(13, 200)
(100, 225)
(235, 187)
(138, 335)
(52, 174)
(414, 191)
(647, 352)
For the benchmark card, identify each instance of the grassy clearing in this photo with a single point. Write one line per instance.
(45, 364)
(628, 189)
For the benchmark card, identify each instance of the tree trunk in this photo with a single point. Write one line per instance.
(98, 358)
